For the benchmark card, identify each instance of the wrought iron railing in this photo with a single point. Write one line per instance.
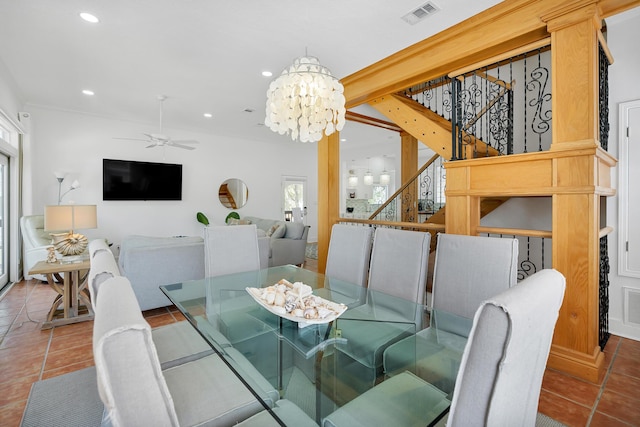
(603, 287)
(532, 252)
(603, 335)
(503, 108)
(419, 198)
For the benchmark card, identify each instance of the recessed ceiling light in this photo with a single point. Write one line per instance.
(89, 17)
(267, 73)
(88, 92)
(343, 139)
(208, 115)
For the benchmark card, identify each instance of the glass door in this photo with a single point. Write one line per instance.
(4, 209)
(294, 196)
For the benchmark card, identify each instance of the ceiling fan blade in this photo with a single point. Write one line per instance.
(186, 147)
(131, 139)
(151, 145)
(185, 141)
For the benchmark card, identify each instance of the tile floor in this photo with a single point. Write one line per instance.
(28, 354)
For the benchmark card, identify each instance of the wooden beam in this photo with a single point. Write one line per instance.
(371, 121)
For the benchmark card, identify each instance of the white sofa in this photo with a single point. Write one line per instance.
(288, 240)
(149, 262)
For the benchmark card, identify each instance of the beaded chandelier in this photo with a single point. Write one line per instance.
(305, 100)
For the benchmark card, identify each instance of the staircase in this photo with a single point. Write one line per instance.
(226, 198)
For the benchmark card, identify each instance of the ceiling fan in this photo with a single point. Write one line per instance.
(161, 140)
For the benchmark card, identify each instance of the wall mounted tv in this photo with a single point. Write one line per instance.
(131, 180)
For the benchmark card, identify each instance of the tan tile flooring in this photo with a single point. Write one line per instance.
(28, 354)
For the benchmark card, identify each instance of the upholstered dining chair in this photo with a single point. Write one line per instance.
(398, 269)
(230, 249)
(500, 374)
(136, 391)
(467, 271)
(349, 253)
(348, 261)
(176, 343)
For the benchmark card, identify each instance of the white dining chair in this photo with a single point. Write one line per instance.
(467, 270)
(348, 263)
(230, 249)
(136, 391)
(176, 343)
(500, 375)
(398, 274)
(349, 253)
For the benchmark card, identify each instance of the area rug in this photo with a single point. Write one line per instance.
(69, 400)
(311, 250)
(72, 400)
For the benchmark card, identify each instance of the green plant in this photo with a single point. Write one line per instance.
(202, 218)
(231, 215)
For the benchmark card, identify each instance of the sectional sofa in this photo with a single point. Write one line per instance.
(149, 262)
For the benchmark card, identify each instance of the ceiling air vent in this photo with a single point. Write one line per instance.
(418, 14)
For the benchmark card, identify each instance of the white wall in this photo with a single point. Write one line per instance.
(76, 143)
(10, 101)
(622, 36)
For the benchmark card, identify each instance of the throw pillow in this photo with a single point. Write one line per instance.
(234, 221)
(278, 233)
(272, 230)
(294, 230)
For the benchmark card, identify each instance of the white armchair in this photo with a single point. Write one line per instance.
(35, 242)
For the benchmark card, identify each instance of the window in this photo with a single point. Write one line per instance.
(379, 194)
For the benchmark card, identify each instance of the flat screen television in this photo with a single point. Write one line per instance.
(132, 180)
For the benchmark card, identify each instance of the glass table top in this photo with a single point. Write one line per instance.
(319, 367)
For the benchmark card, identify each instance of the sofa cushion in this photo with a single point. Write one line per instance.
(261, 233)
(294, 230)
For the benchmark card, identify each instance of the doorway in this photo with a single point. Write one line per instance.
(4, 229)
(294, 196)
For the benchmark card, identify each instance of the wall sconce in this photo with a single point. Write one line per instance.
(70, 217)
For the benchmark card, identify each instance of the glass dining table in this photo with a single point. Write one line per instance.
(318, 365)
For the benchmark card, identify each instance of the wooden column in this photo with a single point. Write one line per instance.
(462, 212)
(328, 193)
(576, 204)
(409, 166)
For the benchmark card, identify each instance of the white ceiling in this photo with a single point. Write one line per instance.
(205, 55)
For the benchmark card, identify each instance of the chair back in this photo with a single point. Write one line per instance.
(230, 249)
(130, 380)
(504, 360)
(103, 268)
(467, 271)
(399, 263)
(33, 234)
(349, 253)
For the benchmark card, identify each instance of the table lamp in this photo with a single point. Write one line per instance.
(70, 217)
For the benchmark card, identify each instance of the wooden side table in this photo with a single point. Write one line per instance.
(72, 294)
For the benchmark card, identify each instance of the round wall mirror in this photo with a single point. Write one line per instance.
(233, 193)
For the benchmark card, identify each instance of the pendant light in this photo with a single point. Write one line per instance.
(368, 176)
(305, 100)
(385, 177)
